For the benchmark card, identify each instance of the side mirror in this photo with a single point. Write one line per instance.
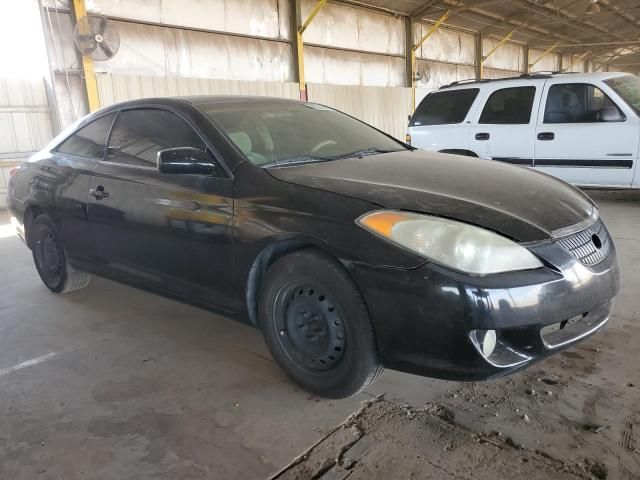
(185, 160)
(610, 114)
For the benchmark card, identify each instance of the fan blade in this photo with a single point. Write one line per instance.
(102, 25)
(106, 49)
(88, 51)
(86, 38)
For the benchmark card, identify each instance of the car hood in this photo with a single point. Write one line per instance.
(514, 201)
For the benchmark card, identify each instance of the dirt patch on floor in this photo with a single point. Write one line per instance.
(387, 440)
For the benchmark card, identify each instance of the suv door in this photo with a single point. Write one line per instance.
(503, 129)
(439, 121)
(166, 231)
(584, 137)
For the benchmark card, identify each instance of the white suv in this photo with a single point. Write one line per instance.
(582, 128)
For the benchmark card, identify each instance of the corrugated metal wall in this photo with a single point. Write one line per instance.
(118, 88)
(386, 108)
(25, 121)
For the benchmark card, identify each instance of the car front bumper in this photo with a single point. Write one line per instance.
(428, 320)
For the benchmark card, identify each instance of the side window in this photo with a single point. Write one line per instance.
(444, 107)
(510, 106)
(138, 135)
(90, 140)
(579, 103)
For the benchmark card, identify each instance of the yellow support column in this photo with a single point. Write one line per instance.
(580, 58)
(493, 50)
(424, 38)
(300, 47)
(90, 82)
(544, 54)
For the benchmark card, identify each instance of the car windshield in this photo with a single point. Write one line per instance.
(271, 133)
(628, 87)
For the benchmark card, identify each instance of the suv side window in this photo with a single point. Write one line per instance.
(444, 107)
(510, 106)
(577, 103)
(138, 135)
(90, 140)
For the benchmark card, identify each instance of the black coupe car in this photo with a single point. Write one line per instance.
(349, 249)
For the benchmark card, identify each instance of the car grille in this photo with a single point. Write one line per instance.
(590, 246)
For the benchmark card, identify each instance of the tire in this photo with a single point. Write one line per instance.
(51, 259)
(317, 326)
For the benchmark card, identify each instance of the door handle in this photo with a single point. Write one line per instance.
(99, 193)
(482, 136)
(546, 136)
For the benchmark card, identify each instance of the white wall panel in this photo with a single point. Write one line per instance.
(509, 56)
(445, 45)
(64, 54)
(339, 67)
(491, 73)
(161, 51)
(384, 108)
(355, 28)
(119, 88)
(548, 63)
(567, 60)
(438, 73)
(262, 18)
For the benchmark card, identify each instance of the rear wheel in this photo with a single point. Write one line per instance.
(51, 260)
(317, 326)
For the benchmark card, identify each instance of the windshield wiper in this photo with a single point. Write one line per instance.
(316, 159)
(365, 152)
(297, 160)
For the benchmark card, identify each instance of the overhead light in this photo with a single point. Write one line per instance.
(593, 7)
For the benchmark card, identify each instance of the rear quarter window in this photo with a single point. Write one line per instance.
(444, 107)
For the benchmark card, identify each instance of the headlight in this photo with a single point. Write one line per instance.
(457, 245)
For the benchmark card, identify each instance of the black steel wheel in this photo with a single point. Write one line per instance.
(50, 258)
(317, 326)
(310, 329)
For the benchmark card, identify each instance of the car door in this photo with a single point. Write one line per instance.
(584, 137)
(63, 182)
(165, 231)
(503, 129)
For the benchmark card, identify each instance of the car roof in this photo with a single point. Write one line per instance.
(198, 100)
(579, 77)
(183, 102)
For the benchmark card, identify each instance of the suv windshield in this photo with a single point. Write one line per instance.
(279, 132)
(628, 87)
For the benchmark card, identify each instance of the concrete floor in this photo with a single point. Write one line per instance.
(111, 382)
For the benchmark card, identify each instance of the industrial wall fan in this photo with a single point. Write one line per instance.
(423, 75)
(96, 37)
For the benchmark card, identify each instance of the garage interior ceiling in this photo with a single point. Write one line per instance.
(611, 34)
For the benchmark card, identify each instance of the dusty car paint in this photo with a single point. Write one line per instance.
(208, 240)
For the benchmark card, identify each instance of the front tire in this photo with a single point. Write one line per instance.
(51, 259)
(317, 326)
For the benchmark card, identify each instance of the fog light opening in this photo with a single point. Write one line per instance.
(488, 342)
(495, 351)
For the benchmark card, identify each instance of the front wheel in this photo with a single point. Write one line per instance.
(51, 260)
(316, 325)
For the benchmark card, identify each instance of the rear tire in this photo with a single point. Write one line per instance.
(317, 326)
(51, 259)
